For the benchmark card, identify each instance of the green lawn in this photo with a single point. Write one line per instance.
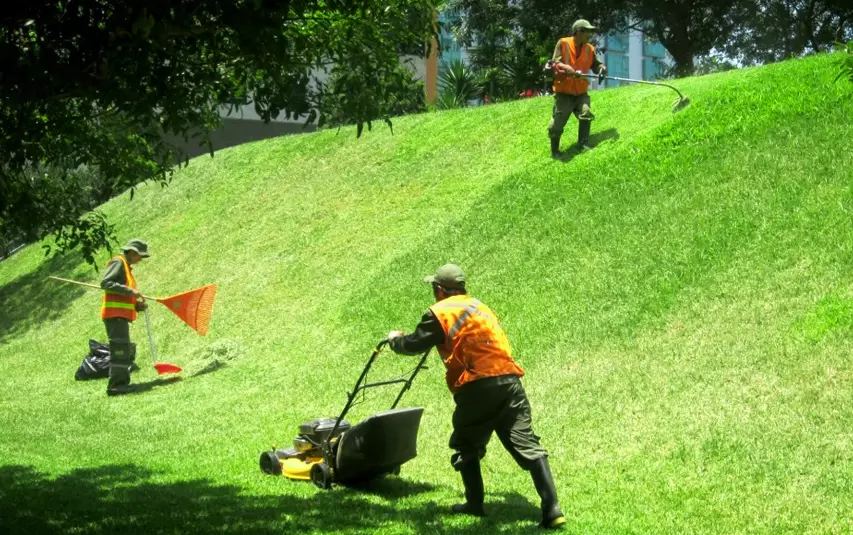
(681, 299)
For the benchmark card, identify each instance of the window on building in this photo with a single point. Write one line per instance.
(449, 48)
(616, 42)
(617, 65)
(653, 48)
(651, 69)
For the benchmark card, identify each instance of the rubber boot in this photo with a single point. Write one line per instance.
(583, 135)
(133, 366)
(555, 148)
(119, 382)
(552, 516)
(472, 478)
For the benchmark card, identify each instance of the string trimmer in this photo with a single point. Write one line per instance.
(679, 104)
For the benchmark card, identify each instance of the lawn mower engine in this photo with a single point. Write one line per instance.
(296, 462)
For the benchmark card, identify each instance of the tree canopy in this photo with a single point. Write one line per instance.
(748, 31)
(96, 84)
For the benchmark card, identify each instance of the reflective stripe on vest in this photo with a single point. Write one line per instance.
(475, 344)
(116, 305)
(567, 84)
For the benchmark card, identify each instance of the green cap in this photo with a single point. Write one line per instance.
(582, 24)
(449, 276)
(137, 246)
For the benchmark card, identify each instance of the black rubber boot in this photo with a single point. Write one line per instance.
(552, 516)
(583, 135)
(472, 478)
(133, 366)
(119, 381)
(121, 390)
(555, 147)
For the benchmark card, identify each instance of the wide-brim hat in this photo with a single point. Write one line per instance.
(137, 246)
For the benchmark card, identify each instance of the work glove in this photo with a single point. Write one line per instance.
(395, 334)
(602, 74)
(141, 306)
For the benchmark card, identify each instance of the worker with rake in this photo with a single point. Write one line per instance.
(122, 300)
(573, 57)
(486, 386)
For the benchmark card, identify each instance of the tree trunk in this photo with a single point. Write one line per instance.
(684, 65)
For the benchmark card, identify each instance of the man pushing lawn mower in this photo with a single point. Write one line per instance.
(486, 386)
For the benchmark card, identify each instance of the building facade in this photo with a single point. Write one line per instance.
(628, 54)
(632, 55)
(450, 49)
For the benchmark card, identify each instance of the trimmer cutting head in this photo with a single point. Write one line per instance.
(680, 103)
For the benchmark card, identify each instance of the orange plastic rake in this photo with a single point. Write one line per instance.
(161, 367)
(193, 307)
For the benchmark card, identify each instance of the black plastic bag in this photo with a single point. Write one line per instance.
(95, 365)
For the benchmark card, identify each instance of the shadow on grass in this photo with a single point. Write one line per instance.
(595, 139)
(130, 499)
(32, 299)
(141, 388)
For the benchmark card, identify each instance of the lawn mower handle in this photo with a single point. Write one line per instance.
(326, 446)
(407, 383)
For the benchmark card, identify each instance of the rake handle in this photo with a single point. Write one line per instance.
(150, 336)
(94, 286)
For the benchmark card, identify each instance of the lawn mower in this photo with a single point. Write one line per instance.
(328, 450)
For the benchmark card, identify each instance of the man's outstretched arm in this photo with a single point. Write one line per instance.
(427, 334)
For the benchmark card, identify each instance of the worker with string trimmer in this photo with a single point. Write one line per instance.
(573, 57)
(122, 300)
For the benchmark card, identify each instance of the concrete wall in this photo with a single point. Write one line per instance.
(237, 131)
(244, 125)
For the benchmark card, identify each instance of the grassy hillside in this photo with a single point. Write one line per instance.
(681, 299)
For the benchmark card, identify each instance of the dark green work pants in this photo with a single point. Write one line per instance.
(499, 405)
(122, 352)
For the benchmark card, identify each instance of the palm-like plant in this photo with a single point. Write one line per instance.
(458, 86)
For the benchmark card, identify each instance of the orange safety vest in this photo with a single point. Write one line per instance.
(118, 305)
(475, 344)
(564, 83)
